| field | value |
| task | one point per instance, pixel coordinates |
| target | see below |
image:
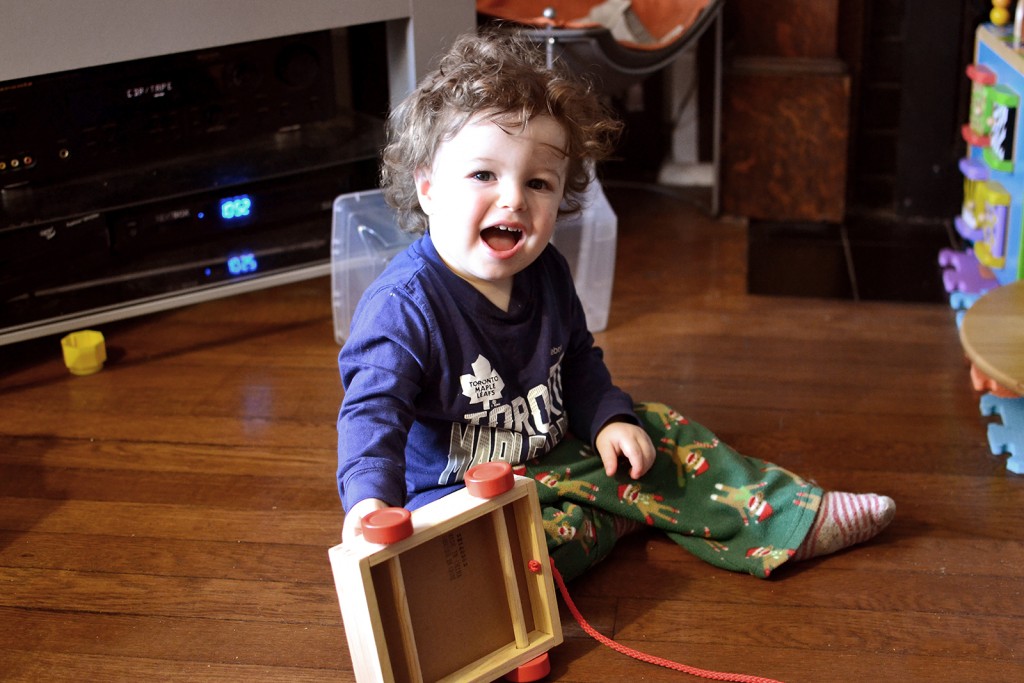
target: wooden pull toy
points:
(458, 590)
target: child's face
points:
(492, 197)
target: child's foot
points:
(845, 519)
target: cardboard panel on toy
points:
(469, 596)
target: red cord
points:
(643, 657)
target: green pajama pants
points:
(728, 509)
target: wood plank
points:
(182, 522)
(816, 631)
(185, 597)
(39, 666)
(124, 457)
(247, 491)
(592, 662)
(175, 641)
(79, 552)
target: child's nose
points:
(511, 196)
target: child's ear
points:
(422, 178)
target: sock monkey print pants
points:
(728, 509)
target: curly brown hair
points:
(499, 74)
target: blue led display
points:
(242, 264)
(233, 208)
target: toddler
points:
(472, 346)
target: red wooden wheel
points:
(387, 525)
(534, 670)
(489, 479)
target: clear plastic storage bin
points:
(365, 236)
(587, 241)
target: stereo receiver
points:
(139, 186)
(99, 119)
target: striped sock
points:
(845, 519)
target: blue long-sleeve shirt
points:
(438, 379)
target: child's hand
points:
(353, 526)
(626, 440)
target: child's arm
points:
(381, 366)
(625, 440)
(354, 517)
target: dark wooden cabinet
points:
(786, 112)
(839, 108)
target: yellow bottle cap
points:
(84, 352)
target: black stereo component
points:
(75, 123)
(215, 172)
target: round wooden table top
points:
(992, 334)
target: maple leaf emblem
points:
(484, 385)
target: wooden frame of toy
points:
(459, 590)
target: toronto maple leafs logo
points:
(484, 385)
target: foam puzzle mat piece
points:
(1006, 437)
(961, 301)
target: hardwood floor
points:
(169, 517)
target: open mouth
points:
(501, 237)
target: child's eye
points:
(483, 175)
(538, 184)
